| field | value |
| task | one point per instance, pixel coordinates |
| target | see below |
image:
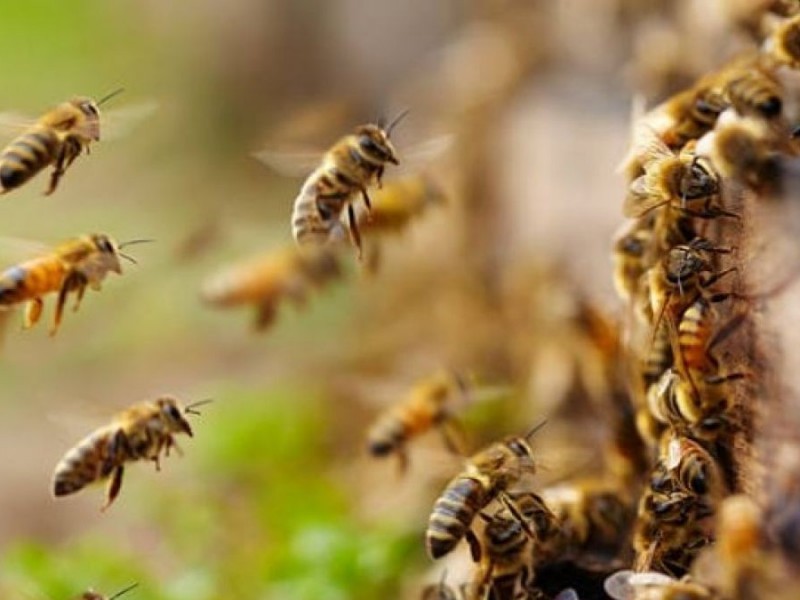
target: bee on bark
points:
(142, 432)
(57, 138)
(488, 475)
(429, 405)
(72, 266)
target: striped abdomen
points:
(453, 514)
(31, 279)
(318, 207)
(659, 356)
(400, 424)
(27, 155)
(694, 332)
(85, 463)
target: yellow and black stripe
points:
(27, 155)
(454, 512)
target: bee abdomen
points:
(82, 465)
(453, 514)
(386, 436)
(26, 156)
(13, 285)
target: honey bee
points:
(351, 165)
(91, 595)
(685, 182)
(71, 267)
(676, 510)
(291, 273)
(506, 546)
(141, 432)
(488, 475)
(57, 138)
(630, 254)
(399, 201)
(652, 585)
(686, 116)
(428, 405)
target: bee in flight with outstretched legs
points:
(488, 475)
(71, 267)
(57, 138)
(141, 432)
(91, 595)
(346, 170)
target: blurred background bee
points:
(141, 432)
(71, 266)
(264, 281)
(430, 404)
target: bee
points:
(676, 510)
(684, 182)
(141, 432)
(399, 201)
(428, 405)
(590, 521)
(264, 281)
(91, 595)
(652, 585)
(688, 115)
(507, 546)
(755, 92)
(57, 138)
(71, 267)
(630, 254)
(351, 165)
(488, 475)
(784, 43)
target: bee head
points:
(109, 252)
(88, 122)
(374, 142)
(173, 416)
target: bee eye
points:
(89, 109)
(174, 413)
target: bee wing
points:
(639, 200)
(15, 249)
(422, 153)
(13, 123)
(619, 585)
(119, 122)
(290, 162)
(648, 145)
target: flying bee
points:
(487, 475)
(428, 405)
(266, 280)
(349, 167)
(91, 595)
(652, 585)
(141, 432)
(71, 267)
(57, 138)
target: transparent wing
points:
(15, 249)
(648, 146)
(119, 122)
(13, 123)
(618, 585)
(298, 162)
(424, 152)
(639, 201)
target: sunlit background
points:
(275, 496)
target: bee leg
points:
(367, 201)
(474, 544)
(402, 462)
(78, 298)
(171, 443)
(379, 177)
(72, 281)
(114, 485)
(33, 312)
(354, 232)
(509, 503)
(265, 315)
(58, 171)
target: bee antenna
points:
(395, 121)
(108, 97)
(125, 591)
(128, 258)
(191, 408)
(132, 242)
(535, 428)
